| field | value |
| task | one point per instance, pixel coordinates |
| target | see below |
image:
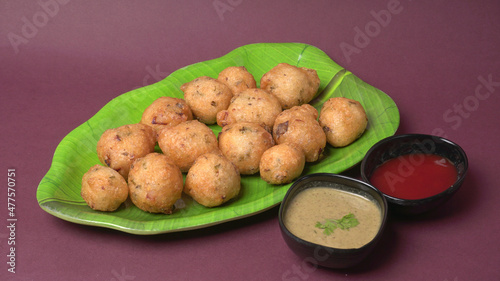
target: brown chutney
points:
(317, 204)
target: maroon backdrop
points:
(61, 61)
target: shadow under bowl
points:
(398, 145)
(324, 255)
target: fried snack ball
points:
(166, 112)
(237, 78)
(206, 96)
(212, 180)
(282, 163)
(243, 144)
(251, 105)
(298, 125)
(293, 86)
(119, 147)
(343, 120)
(186, 141)
(103, 188)
(155, 183)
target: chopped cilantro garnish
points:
(344, 223)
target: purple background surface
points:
(61, 61)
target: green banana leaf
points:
(59, 191)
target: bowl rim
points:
(402, 201)
(384, 213)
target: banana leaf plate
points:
(59, 190)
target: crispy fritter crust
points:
(183, 143)
(119, 147)
(155, 183)
(243, 144)
(293, 86)
(206, 96)
(166, 112)
(282, 163)
(103, 188)
(343, 120)
(252, 105)
(237, 78)
(299, 126)
(212, 180)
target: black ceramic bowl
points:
(323, 255)
(398, 145)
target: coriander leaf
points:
(328, 227)
(348, 221)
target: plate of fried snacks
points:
(215, 141)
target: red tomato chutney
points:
(414, 176)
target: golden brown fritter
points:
(282, 163)
(237, 78)
(298, 125)
(343, 120)
(166, 112)
(206, 96)
(103, 188)
(186, 141)
(293, 86)
(252, 105)
(155, 183)
(243, 144)
(119, 147)
(212, 180)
